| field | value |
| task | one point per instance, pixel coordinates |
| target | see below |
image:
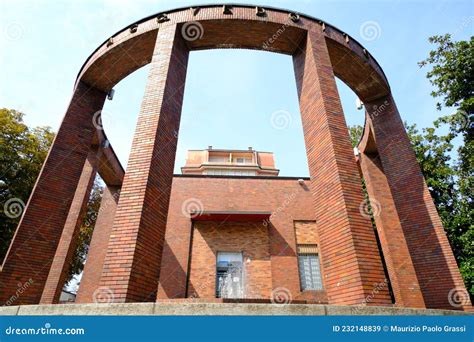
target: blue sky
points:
(230, 95)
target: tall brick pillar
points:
(28, 262)
(132, 264)
(98, 248)
(404, 282)
(353, 269)
(431, 254)
(68, 242)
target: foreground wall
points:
(271, 245)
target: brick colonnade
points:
(422, 263)
(53, 203)
(68, 242)
(131, 263)
(349, 250)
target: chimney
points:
(209, 147)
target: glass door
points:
(229, 275)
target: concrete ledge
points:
(215, 309)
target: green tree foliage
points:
(355, 133)
(85, 231)
(22, 152)
(452, 75)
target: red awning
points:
(231, 216)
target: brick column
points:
(431, 254)
(98, 247)
(348, 247)
(68, 242)
(132, 264)
(404, 281)
(34, 245)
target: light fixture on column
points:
(133, 28)
(359, 104)
(110, 94)
(294, 17)
(227, 9)
(260, 11)
(162, 18)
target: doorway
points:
(229, 275)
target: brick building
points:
(229, 228)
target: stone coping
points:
(215, 309)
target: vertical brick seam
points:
(98, 247)
(405, 285)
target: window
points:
(229, 275)
(218, 159)
(220, 172)
(242, 160)
(308, 264)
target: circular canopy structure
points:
(234, 26)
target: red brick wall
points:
(348, 245)
(68, 242)
(132, 264)
(285, 198)
(306, 233)
(249, 238)
(88, 289)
